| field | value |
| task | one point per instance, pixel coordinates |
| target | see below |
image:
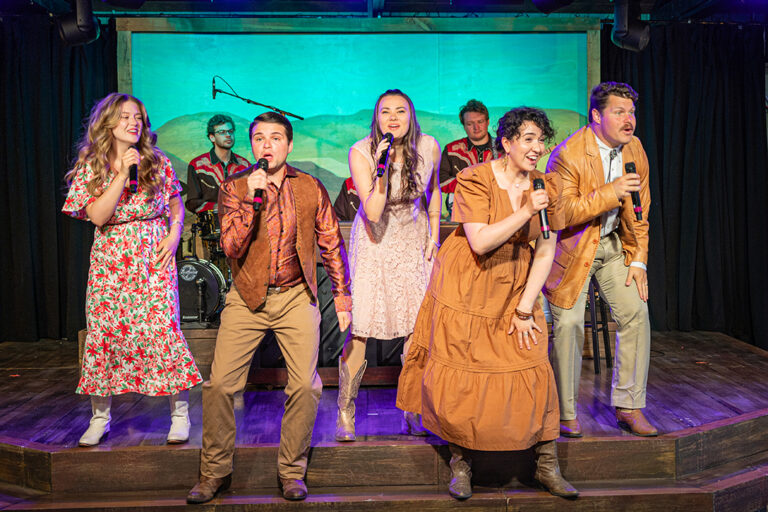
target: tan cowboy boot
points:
(460, 486)
(348, 387)
(548, 471)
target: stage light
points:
(548, 6)
(79, 26)
(628, 31)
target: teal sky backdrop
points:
(333, 80)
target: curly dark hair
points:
(599, 96)
(511, 123)
(473, 106)
(216, 121)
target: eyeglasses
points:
(224, 132)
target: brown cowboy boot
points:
(205, 490)
(570, 428)
(548, 471)
(345, 421)
(634, 421)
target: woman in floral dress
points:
(134, 341)
(392, 243)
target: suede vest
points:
(250, 272)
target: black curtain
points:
(702, 120)
(47, 90)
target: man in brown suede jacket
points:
(603, 239)
(272, 256)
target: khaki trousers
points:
(295, 319)
(633, 338)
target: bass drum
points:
(201, 286)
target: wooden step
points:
(642, 495)
(739, 486)
(382, 460)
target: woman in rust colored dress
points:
(478, 369)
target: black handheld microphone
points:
(213, 88)
(636, 204)
(133, 176)
(538, 184)
(384, 158)
(258, 197)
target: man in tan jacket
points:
(603, 239)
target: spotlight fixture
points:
(628, 31)
(79, 26)
(548, 6)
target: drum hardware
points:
(202, 291)
(202, 283)
(201, 300)
(210, 230)
(192, 242)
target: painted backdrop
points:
(333, 80)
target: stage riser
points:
(398, 463)
(707, 448)
(384, 463)
(25, 466)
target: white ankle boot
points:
(100, 407)
(179, 432)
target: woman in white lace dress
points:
(393, 241)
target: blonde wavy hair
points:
(98, 139)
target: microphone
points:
(213, 88)
(538, 184)
(258, 197)
(133, 176)
(636, 204)
(384, 159)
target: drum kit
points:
(202, 282)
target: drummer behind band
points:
(207, 171)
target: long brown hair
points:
(408, 174)
(97, 142)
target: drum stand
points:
(192, 246)
(202, 322)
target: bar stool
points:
(599, 325)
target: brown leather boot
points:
(634, 421)
(207, 488)
(294, 489)
(348, 388)
(460, 486)
(548, 471)
(570, 428)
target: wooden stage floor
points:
(694, 379)
(707, 395)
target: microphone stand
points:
(274, 109)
